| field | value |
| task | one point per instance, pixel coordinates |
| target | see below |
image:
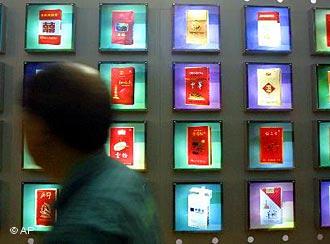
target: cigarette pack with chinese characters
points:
(122, 85)
(269, 87)
(199, 145)
(44, 200)
(50, 27)
(122, 144)
(271, 145)
(197, 81)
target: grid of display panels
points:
(197, 88)
(270, 143)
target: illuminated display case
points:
(2, 28)
(123, 27)
(321, 31)
(324, 203)
(323, 143)
(30, 69)
(270, 145)
(269, 87)
(197, 86)
(322, 74)
(127, 144)
(196, 28)
(27, 161)
(198, 207)
(271, 205)
(38, 213)
(127, 83)
(50, 27)
(197, 145)
(267, 29)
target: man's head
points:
(66, 108)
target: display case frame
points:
(174, 88)
(317, 147)
(198, 183)
(314, 33)
(22, 217)
(196, 50)
(35, 168)
(319, 204)
(270, 110)
(316, 89)
(267, 181)
(197, 169)
(248, 51)
(72, 49)
(248, 145)
(133, 50)
(27, 63)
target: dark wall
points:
(160, 116)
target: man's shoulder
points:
(115, 200)
(114, 182)
(114, 191)
(116, 172)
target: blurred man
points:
(66, 122)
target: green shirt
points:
(104, 202)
